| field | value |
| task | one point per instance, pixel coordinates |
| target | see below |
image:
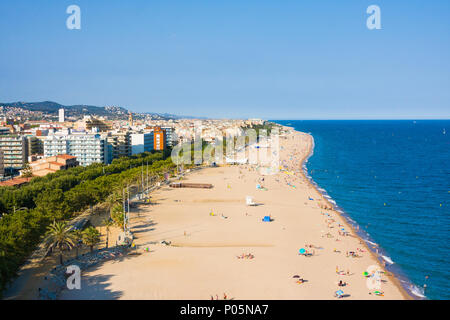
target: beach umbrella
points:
(302, 251)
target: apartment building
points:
(159, 139)
(15, 151)
(35, 145)
(170, 135)
(88, 148)
(120, 142)
(142, 142)
(4, 131)
(2, 167)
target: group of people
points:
(246, 256)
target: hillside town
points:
(33, 145)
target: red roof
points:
(14, 182)
(65, 156)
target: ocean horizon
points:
(392, 179)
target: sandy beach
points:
(220, 247)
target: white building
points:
(141, 142)
(170, 136)
(61, 117)
(88, 148)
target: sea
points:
(391, 178)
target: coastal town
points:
(33, 144)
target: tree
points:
(78, 237)
(91, 236)
(118, 215)
(27, 172)
(114, 199)
(59, 236)
(108, 224)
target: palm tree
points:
(59, 236)
(108, 223)
(113, 199)
(91, 236)
(117, 215)
(78, 236)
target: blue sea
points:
(392, 178)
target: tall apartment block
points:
(61, 117)
(15, 151)
(88, 148)
(120, 142)
(35, 146)
(142, 142)
(2, 166)
(169, 135)
(159, 139)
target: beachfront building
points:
(142, 142)
(159, 139)
(170, 135)
(88, 148)
(120, 142)
(15, 151)
(48, 165)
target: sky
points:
(271, 59)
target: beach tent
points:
(339, 293)
(266, 219)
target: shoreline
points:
(345, 217)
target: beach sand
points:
(202, 263)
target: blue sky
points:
(276, 59)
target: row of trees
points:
(61, 237)
(27, 211)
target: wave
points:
(388, 259)
(372, 243)
(418, 292)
